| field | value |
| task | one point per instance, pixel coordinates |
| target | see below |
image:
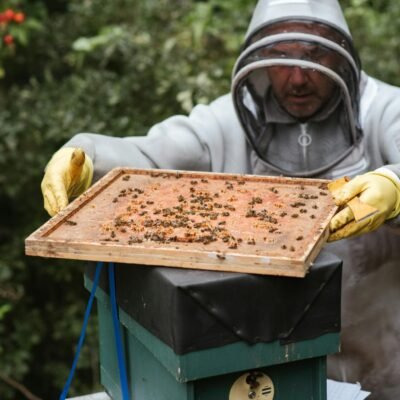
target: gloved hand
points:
(375, 189)
(67, 175)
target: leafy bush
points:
(17, 23)
(375, 25)
(91, 68)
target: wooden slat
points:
(221, 222)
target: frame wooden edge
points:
(211, 260)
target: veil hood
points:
(318, 27)
(326, 12)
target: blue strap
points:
(64, 393)
(117, 334)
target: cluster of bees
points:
(195, 214)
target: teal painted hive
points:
(175, 351)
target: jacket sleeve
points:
(383, 127)
(383, 121)
(195, 142)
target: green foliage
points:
(112, 67)
(18, 20)
(101, 67)
(375, 25)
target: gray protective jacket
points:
(225, 136)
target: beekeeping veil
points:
(319, 29)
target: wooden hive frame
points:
(258, 213)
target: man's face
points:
(301, 91)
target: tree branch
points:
(18, 386)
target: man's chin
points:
(302, 116)
(301, 111)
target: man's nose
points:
(298, 76)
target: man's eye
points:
(318, 54)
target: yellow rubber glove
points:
(67, 175)
(375, 189)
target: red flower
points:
(9, 14)
(8, 40)
(19, 17)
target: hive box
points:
(189, 335)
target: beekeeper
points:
(300, 106)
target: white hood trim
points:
(295, 36)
